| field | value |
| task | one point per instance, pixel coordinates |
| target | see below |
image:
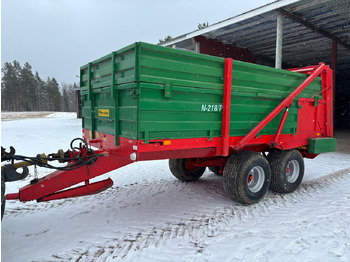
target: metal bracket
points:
(167, 90)
(134, 93)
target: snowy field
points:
(148, 215)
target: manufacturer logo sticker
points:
(103, 112)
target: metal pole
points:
(279, 40)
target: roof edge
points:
(254, 12)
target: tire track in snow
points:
(197, 224)
(121, 193)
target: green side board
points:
(322, 145)
(153, 92)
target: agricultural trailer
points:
(252, 124)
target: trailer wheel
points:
(287, 170)
(246, 177)
(215, 170)
(184, 171)
(3, 198)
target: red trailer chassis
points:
(199, 152)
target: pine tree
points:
(41, 91)
(17, 87)
(168, 38)
(7, 82)
(76, 99)
(10, 86)
(54, 95)
(68, 97)
(21, 90)
(65, 99)
(203, 25)
(28, 93)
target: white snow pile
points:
(36, 114)
(148, 215)
(62, 115)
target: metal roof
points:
(310, 26)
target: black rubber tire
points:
(179, 169)
(237, 177)
(215, 170)
(3, 198)
(280, 163)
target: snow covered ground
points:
(148, 215)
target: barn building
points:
(285, 34)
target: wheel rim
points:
(292, 171)
(256, 179)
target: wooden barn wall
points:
(216, 48)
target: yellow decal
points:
(103, 112)
(167, 142)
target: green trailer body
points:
(147, 92)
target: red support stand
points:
(87, 189)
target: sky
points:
(56, 37)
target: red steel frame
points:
(52, 186)
(286, 103)
(201, 151)
(226, 108)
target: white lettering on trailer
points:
(211, 108)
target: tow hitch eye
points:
(11, 174)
